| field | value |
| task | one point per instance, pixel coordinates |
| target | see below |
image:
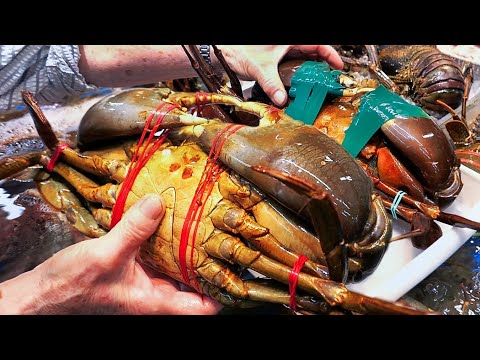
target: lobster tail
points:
(431, 74)
(437, 76)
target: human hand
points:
(260, 63)
(102, 275)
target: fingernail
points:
(279, 97)
(151, 206)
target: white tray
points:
(403, 266)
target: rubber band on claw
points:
(58, 150)
(396, 201)
(293, 279)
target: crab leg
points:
(229, 248)
(363, 255)
(90, 190)
(115, 169)
(457, 127)
(12, 165)
(362, 258)
(229, 217)
(287, 230)
(230, 290)
(431, 211)
(424, 230)
(59, 196)
(327, 225)
(469, 158)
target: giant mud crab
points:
(202, 241)
(328, 190)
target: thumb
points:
(136, 226)
(271, 84)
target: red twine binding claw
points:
(209, 176)
(293, 280)
(201, 100)
(201, 97)
(58, 150)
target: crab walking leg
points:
(117, 170)
(221, 284)
(229, 248)
(13, 165)
(287, 231)
(94, 164)
(59, 196)
(222, 296)
(102, 216)
(230, 217)
(432, 211)
(301, 241)
(267, 114)
(282, 223)
(424, 231)
(90, 190)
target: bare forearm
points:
(21, 295)
(41, 292)
(129, 65)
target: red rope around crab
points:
(139, 160)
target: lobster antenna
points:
(375, 67)
(468, 75)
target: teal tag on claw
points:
(376, 108)
(310, 85)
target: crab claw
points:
(424, 231)
(42, 125)
(437, 170)
(323, 217)
(393, 172)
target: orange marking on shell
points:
(187, 173)
(193, 159)
(273, 114)
(174, 167)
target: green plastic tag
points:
(376, 108)
(310, 85)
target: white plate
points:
(403, 266)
